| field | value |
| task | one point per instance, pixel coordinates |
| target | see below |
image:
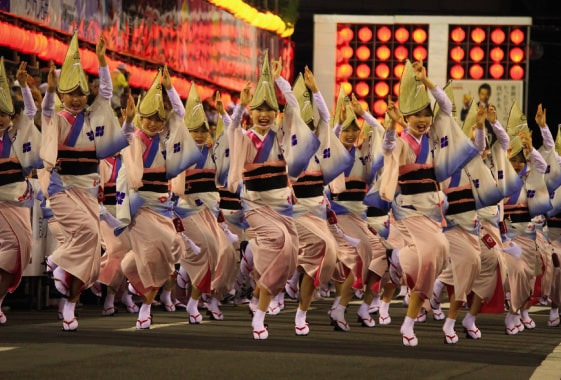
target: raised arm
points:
(283, 84)
(29, 104)
(441, 98)
(173, 96)
(389, 143)
(319, 101)
(105, 83)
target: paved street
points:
(32, 345)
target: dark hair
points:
(18, 107)
(485, 86)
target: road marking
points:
(550, 367)
(159, 326)
(7, 348)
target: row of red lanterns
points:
(50, 48)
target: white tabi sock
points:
(144, 312)
(258, 321)
(437, 290)
(384, 308)
(363, 310)
(448, 327)
(469, 321)
(300, 319)
(193, 306)
(165, 297)
(109, 301)
(68, 311)
(407, 328)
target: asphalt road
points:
(32, 346)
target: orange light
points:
(363, 71)
(363, 104)
(496, 54)
(401, 53)
(516, 55)
(396, 90)
(478, 35)
(457, 54)
(516, 72)
(381, 89)
(347, 87)
(344, 71)
(517, 36)
(365, 34)
(419, 35)
(383, 53)
(362, 89)
(496, 70)
(420, 53)
(345, 35)
(458, 35)
(346, 52)
(363, 53)
(398, 70)
(476, 71)
(498, 36)
(457, 72)
(384, 34)
(380, 107)
(382, 71)
(401, 35)
(476, 54)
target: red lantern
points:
(517, 36)
(396, 89)
(478, 35)
(457, 54)
(381, 89)
(363, 53)
(345, 35)
(401, 35)
(363, 71)
(476, 54)
(516, 55)
(383, 53)
(398, 70)
(362, 89)
(476, 71)
(382, 71)
(365, 34)
(496, 54)
(344, 71)
(419, 35)
(380, 107)
(498, 36)
(457, 72)
(516, 72)
(384, 34)
(420, 53)
(401, 53)
(346, 52)
(496, 70)
(458, 35)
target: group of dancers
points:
(300, 199)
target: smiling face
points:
(518, 162)
(200, 135)
(263, 115)
(74, 101)
(420, 122)
(151, 125)
(349, 135)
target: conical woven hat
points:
(413, 96)
(153, 103)
(265, 90)
(517, 121)
(471, 118)
(72, 75)
(195, 115)
(6, 103)
(304, 99)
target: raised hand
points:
(526, 138)
(21, 75)
(52, 79)
(166, 78)
(130, 111)
(218, 104)
(356, 106)
(310, 80)
(100, 50)
(277, 68)
(480, 117)
(491, 113)
(540, 116)
(245, 95)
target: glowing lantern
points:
(347, 87)
(363, 71)
(345, 35)
(344, 71)
(396, 89)
(458, 35)
(398, 70)
(381, 89)
(362, 89)
(382, 71)
(517, 36)
(346, 52)
(363, 53)
(476, 54)
(420, 53)
(401, 53)
(476, 72)
(516, 55)
(496, 54)
(457, 72)
(365, 34)
(384, 34)
(363, 104)
(496, 70)
(380, 106)
(383, 53)
(419, 35)
(516, 72)
(498, 36)
(478, 35)
(457, 54)
(401, 35)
